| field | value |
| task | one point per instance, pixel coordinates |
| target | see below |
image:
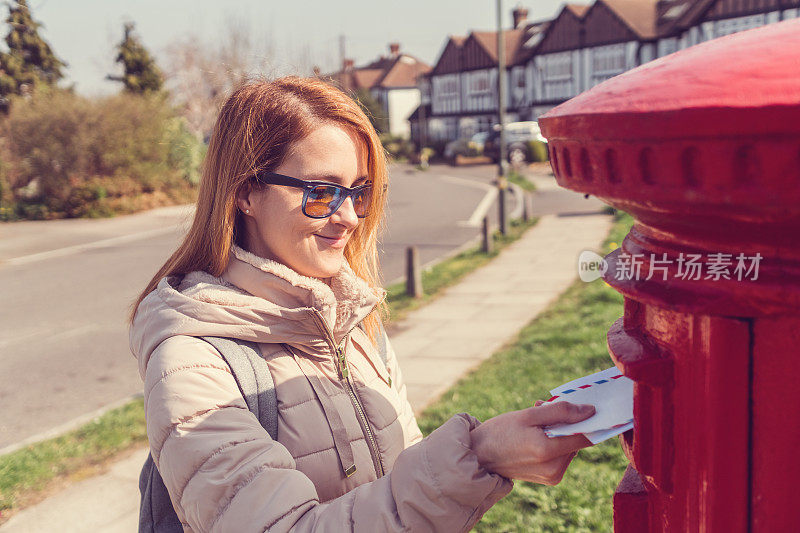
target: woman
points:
(293, 266)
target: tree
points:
(142, 75)
(373, 109)
(201, 76)
(29, 61)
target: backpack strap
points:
(156, 513)
(252, 375)
(254, 379)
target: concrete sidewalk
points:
(436, 345)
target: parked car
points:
(456, 147)
(518, 138)
(477, 141)
(465, 146)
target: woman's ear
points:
(244, 197)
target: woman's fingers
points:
(550, 472)
(559, 413)
(538, 403)
(558, 446)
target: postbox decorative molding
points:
(702, 148)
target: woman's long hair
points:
(254, 131)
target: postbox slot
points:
(638, 356)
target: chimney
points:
(394, 49)
(347, 65)
(520, 15)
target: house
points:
(586, 45)
(683, 23)
(391, 80)
(549, 62)
(463, 83)
(554, 65)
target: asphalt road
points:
(66, 286)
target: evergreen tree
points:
(29, 60)
(142, 75)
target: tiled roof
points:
(533, 34)
(639, 15)
(381, 63)
(403, 72)
(513, 42)
(365, 78)
(692, 12)
(578, 9)
(673, 13)
(415, 114)
(396, 71)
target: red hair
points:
(254, 131)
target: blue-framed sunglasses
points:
(321, 199)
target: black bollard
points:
(413, 273)
(486, 237)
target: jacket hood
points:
(255, 299)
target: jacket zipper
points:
(344, 374)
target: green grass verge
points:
(25, 473)
(519, 179)
(567, 341)
(449, 272)
(28, 470)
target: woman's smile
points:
(334, 241)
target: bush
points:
(438, 148)
(462, 147)
(185, 152)
(538, 151)
(399, 148)
(68, 156)
(6, 197)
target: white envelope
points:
(610, 392)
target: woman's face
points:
(276, 226)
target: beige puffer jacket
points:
(222, 469)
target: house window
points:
(558, 66)
(667, 46)
(449, 86)
(729, 26)
(557, 75)
(478, 82)
(607, 61)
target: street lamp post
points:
(501, 114)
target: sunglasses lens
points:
(322, 201)
(361, 201)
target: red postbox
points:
(702, 147)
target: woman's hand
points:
(514, 445)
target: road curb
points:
(65, 428)
(473, 242)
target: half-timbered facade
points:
(554, 68)
(684, 23)
(585, 44)
(463, 82)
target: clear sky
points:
(84, 32)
